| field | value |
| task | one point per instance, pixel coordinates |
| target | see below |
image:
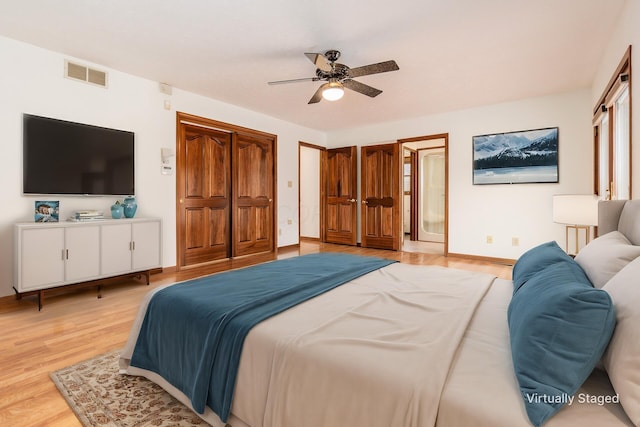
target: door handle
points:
(352, 200)
(364, 202)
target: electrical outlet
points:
(490, 239)
(289, 221)
(515, 241)
(279, 231)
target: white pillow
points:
(603, 257)
(622, 357)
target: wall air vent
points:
(85, 74)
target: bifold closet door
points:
(253, 194)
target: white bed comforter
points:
(375, 351)
(382, 359)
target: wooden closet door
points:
(341, 209)
(204, 187)
(380, 193)
(253, 190)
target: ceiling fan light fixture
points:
(332, 91)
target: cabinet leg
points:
(99, 291)
(40, 298)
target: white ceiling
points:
(452, 54)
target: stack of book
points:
(87, 216)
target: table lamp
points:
(577, 212)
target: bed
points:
(406, 345)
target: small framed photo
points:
(47, 211)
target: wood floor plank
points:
(76, 325)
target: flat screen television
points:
(67, 158)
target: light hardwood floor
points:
(75, 326)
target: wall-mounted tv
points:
(67, 158)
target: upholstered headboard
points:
(621, 215)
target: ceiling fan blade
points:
(320, 61)
(361, 88)
(317, 97)
(305, 79)
(380, 67)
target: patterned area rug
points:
(100, 396)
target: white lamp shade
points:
(575, 209)
(332, 91)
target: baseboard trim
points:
(505, 261)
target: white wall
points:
(309, 192)
(502, 211)
(31, 81)
(627, 32)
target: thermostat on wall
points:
(166, 169)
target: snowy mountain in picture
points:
(528, 156)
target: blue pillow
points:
(559, 327)
(536, 260)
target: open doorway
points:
(425, 200)
(310, 191)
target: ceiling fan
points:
(338, 76)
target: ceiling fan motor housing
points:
(339, 72)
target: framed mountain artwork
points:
(529, 156)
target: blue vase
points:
(116, 211)
(130, 206)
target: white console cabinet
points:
(49, 255)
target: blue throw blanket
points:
(193, 332)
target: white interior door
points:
(431, 194)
